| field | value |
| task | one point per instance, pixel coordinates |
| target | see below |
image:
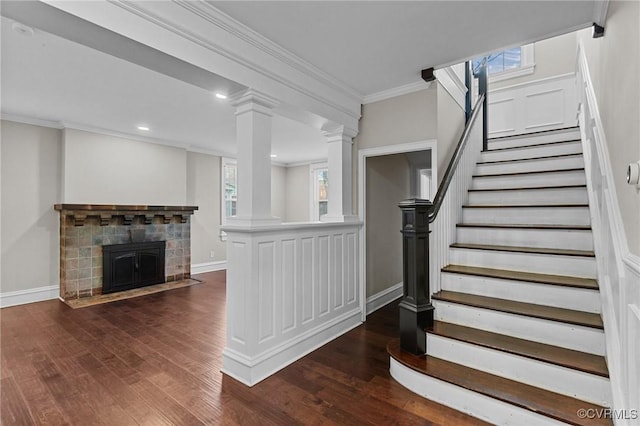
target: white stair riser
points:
(566, 381)
(556, 163)
(533, 151)
(577, 266)
(575, 177)
(533, 196)
(558, 296)
(466, 401)
(579, 338)
(534, 139)
(538, 238)
(578, 216)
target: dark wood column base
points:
(413, 321)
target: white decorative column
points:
(340, 194)
(253, 133)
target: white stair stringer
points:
(570, 336)
(473, 403)
(558, 379)
(518, 196)
(549, 137)
(559, 296)
(554, 264)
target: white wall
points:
(614, 61)
(30, 181)
(101, 169)
(450, 125)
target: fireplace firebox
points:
(133, 265)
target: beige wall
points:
(614, 63)
(450, 125)
(31, 177)
(101, 169)
(387, 185)
(554, 56)
(298, 194)
(203, 190)
(278, 192)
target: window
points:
(509, 63)
(229, 188)
(319, 189)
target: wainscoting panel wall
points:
(524, 108)
(290, 289)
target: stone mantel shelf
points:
(105, 212)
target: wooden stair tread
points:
(525, 226)
(533, 188)
(515, 160)
(550, 404)
(567, 281)
(585, 319)
(519, 206)
(535, 250)
(530, 146)
(576, 360)
(580, 169)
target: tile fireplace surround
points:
(85, 228)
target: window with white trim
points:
(509, 63)
(319, 188)
(229, 189)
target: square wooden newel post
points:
(416, 311)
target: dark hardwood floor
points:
(155, 360)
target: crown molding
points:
(32, 120)
(397, 91)
(237, 30)
(600, 9)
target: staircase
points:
(518, 338)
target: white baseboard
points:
(31, 295)
(252, 370)
(201, 268)
(383, 298)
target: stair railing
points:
(424, 257)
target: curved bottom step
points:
(488, 397)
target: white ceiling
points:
(370, 46)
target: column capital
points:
(339, 134)
(253, 100)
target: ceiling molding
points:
(32, 120)
(237, 30)
(397, 91)
(600, 9)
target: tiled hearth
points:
(84, 229)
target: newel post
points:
(416, 311)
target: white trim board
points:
(451, 82)
(201, 268)
(31, 295)
(396, 91)
(383, 298)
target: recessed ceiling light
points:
(221, 96)
(143, 128)
(273, 155)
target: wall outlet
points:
(212, 254)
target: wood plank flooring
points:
(155, 360)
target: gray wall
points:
(31, 178)
(298, 194)
(614, 61)
(387, 185)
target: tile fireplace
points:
(86, 228)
